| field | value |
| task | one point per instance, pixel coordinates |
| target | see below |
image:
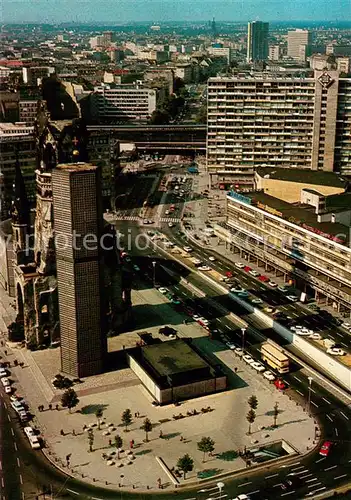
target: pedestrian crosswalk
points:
(127, 217)
(170, 219)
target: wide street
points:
(317, 474)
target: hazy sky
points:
(168, 10)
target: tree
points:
(159, 117)
(98, 414)
(90, 439)
(253, 402)
(275, 414)
(147, 427)
(185, 464)
(69, 399)
(126, 418)
(206, 445)
(118, 444)
(250, 417)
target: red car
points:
(263, 278)
(247, 268)
(280, 384)
(229, 274)
(324, 451)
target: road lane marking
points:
(12, 432)
(299, 467)
(311, 480)
(289, 493)
(299, 392)
(319, 489)
(253, 492)
(21, 480)
(329, 403)
(330, 468)
(336, 431)
(328, 416)
(18, 462)
(8, 418)
(244, 484)
(15, 446)
(297, 378)
(229, 328)
(339, 477)
(307, 475)
(343, 414)
(74, 492)
(314, 404)
(313, 485)
(323, 458)
(272, 475)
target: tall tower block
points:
(78, 227)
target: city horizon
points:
(159, 12)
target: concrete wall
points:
(144, 377)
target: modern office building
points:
(124, 102)
(34, 75)
(257, 41)
(299, 43)
(306, 242)
(78, 228)
(17, 144)
(274, 52)
(277, 121)
(28, 111)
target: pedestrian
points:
(50, 407)
(73, 432)
(110, 442)
(62, 433)
(5, 351)
(84, 427)
(161, 434)
(135, 415)
(57, 407)
(39, 408)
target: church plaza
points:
(142, 464)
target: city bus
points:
(274, 358)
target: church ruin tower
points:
(20, 219)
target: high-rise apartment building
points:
(277, 121)
(299, 43)
(257, 41)
(17, 144)
(124, 102)
(78, 229)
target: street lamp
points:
(220, 487)
(310, 379)
(243, 331)
(154, 273)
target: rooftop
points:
(302, 215)
(173, 357)
(302, 176)
(76, 167)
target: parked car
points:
(263, 278)
(8, 389)
(325, 449)
(269, 376)
(283, 289)
(229, 274)
(258, 366)
(239, 351)
(292, 298)
(187, 249)
(256, 300)
(280, 384)
(163, 290)
(170, 224)
(315, 336)
(247, 269)
(230, 345)
(211, 258)
(248, 359)
(204, 268)
(273, 284)
(5, 381)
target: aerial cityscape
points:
(175, 236)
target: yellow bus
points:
(275, 358)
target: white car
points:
(295, 328)
(273, 284)
(163, 290)
(8, 389)
(196, 317)
(187, 249)
(292, 298)
(242, 497)
(315, 336)
(230, 345)
(269, 309)
(283, 289)
(347, 326)
(211, 258)
(269, 375)
(3, 373)
(335, 351)
(145, 221)
(167, 212)
(239, 265)
(239, 351)
(5, 381)
(204, 268)
(238, 290)
(17, 406)
(303, 332)
(29, 431)
(170, 224)
(254, 273)
(256, 300)
(248, 359)
(258, 366)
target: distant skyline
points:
(51, 11)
